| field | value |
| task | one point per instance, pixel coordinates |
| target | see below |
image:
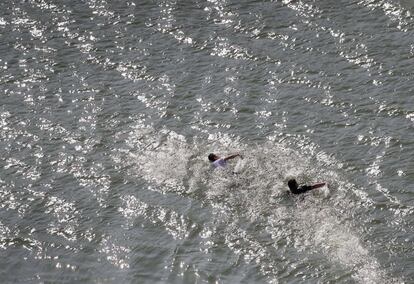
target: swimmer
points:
(218, 162)
(296, 189)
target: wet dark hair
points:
(212, 157)
(292, 184)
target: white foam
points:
(254, 189)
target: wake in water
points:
(253, 213)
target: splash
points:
(252, 209)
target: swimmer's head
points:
(212, 157)
(292, 184)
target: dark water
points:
(108, 110)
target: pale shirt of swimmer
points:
(220, 163)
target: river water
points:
(108, 110)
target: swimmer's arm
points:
(232, 157)
(317, 185)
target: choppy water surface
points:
(108, 110)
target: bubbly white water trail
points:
(252, 210)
